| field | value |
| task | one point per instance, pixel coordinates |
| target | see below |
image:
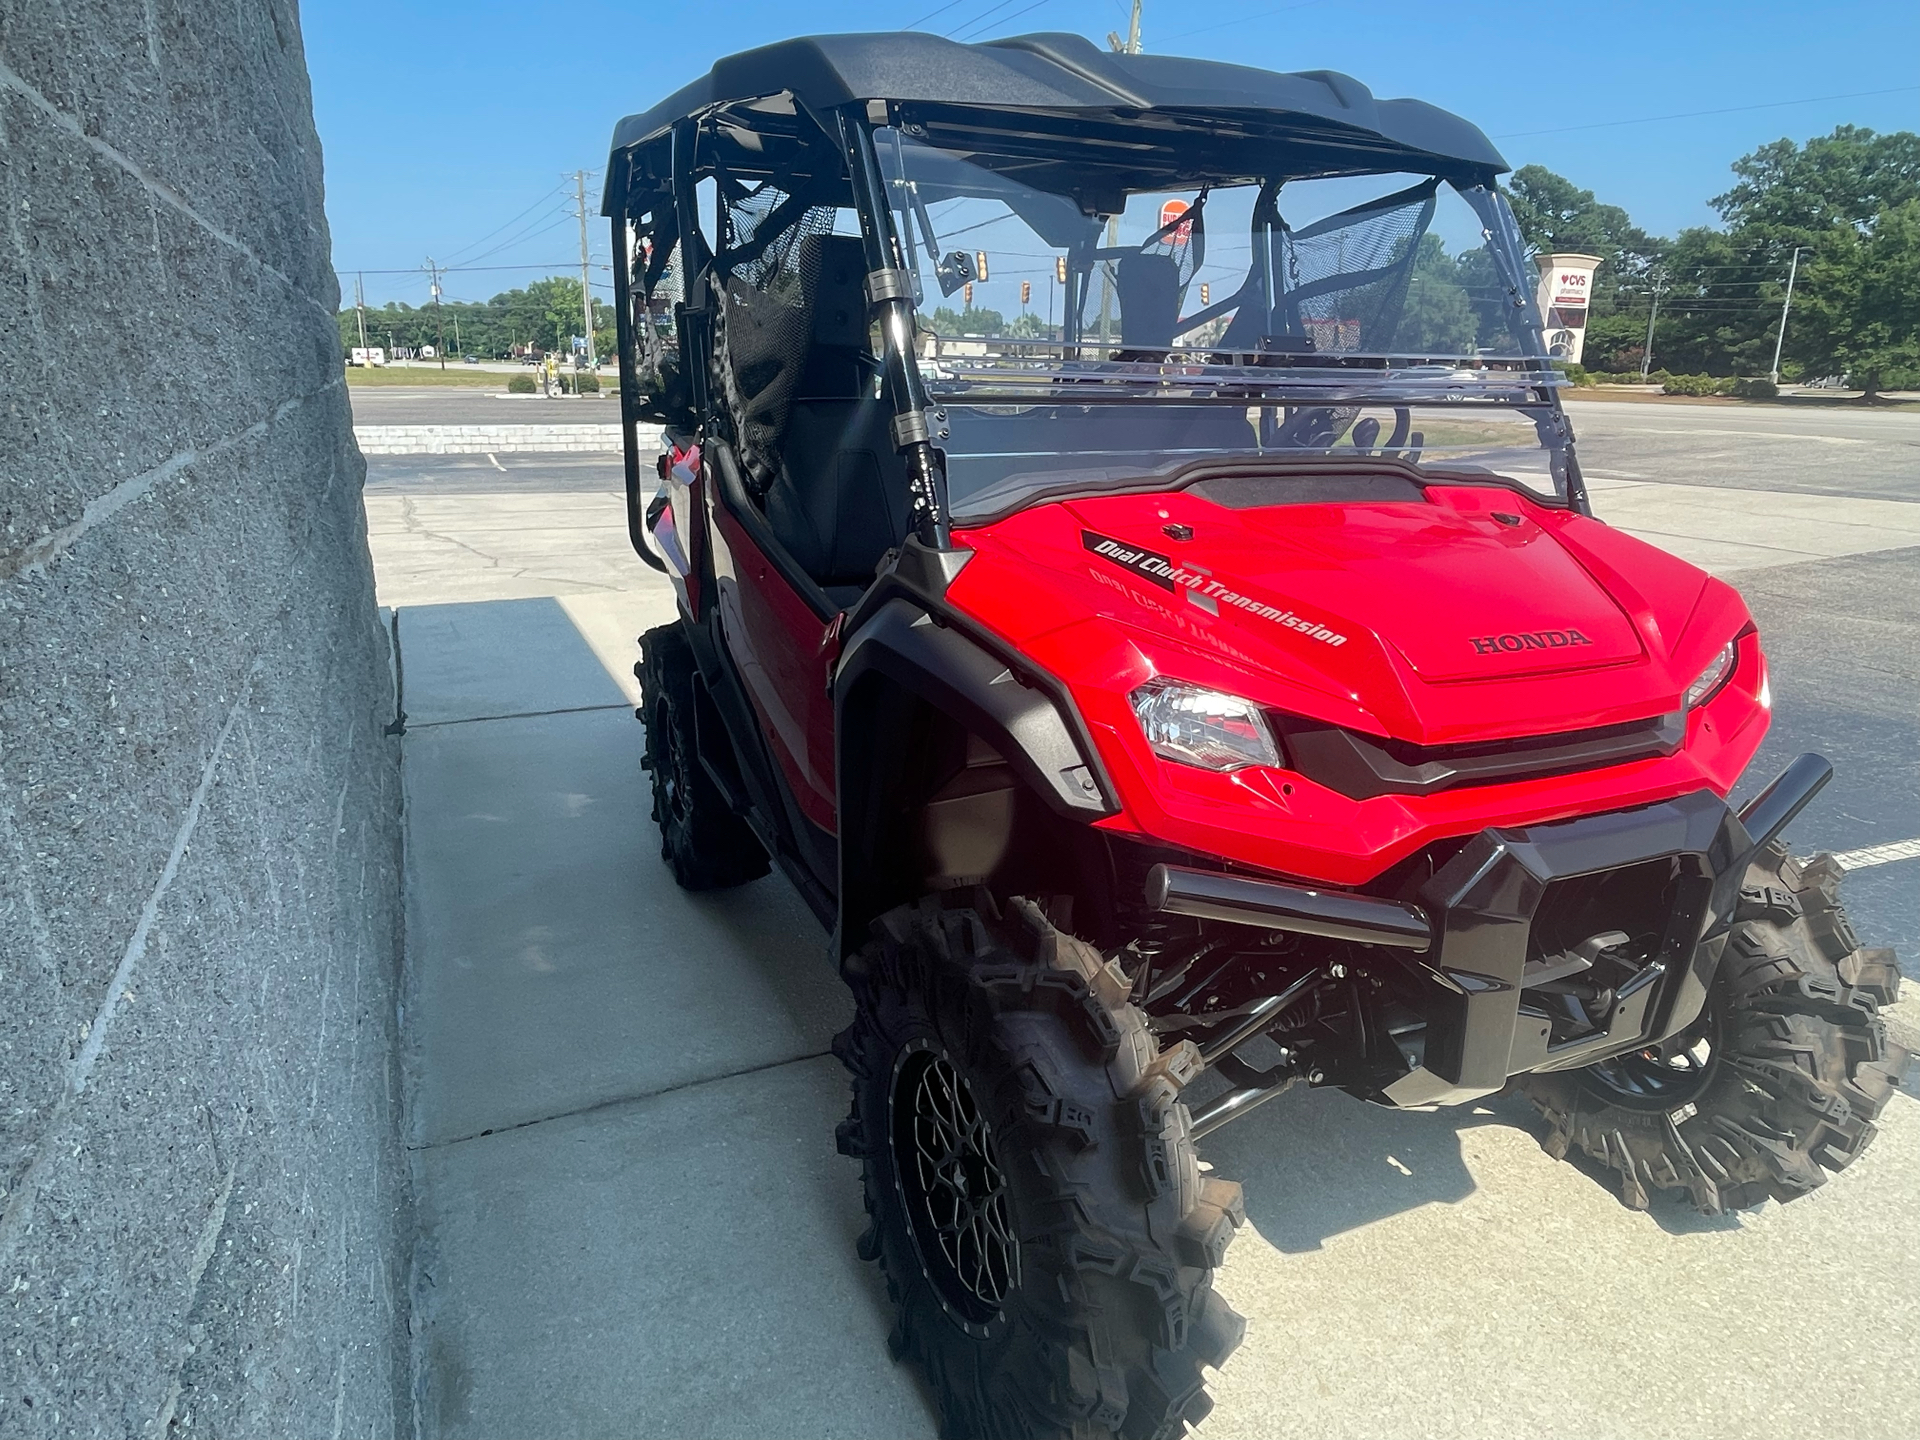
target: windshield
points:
(1378, 318)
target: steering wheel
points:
(1316, 427)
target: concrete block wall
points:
(495, 439)
(204, 1221)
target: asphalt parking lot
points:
(622, 1108)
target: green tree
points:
(544, 314)
(1438, 317)
(1554, 214)
(1861, 308)
(1720, 315)
(1846, 178)
(947, 321)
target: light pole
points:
(1646, 354)
(1129, 46)
(1785, 305)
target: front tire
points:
(1034, 1198)
(1779, 1080)
(707, 846)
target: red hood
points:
(1470, 614)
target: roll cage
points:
(728, 198)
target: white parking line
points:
(1878, 854)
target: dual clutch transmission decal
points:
(1161, 570)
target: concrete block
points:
(204, 1214)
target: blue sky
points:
(443, 120)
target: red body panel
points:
(776, 643)
(1432, 622)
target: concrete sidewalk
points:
(622, 1108)
(635, 1224)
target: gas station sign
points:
(1170, 212)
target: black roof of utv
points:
(1334, 120)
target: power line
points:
(930, 14)
(1008, 20)
(981, 18)
(514, 221)
(1697, 114)
(553, 224)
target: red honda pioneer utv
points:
(1211, 682)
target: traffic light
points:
(1060, 268)
(1026, 291)
(1206, 293)
(980, 264)
(966, 295)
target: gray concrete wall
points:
(203, 1210)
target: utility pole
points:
(1130, 47)
(1646, 354)
(360, 305)
(1785, 305)
(439, 323)
(586, 287)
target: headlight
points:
(1203, 727)
(1711, 678)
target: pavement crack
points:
(620, 1100)
(410, 517)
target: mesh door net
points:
(766, 325)
(1344, 279)
(654, 288)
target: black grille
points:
(1363, 766)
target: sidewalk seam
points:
(519, 715)
(619, 1100)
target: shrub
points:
(578, 384)
(1756, 388)
(1696, 385)
(1576, 374)
(522, 385)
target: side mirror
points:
(954, 271)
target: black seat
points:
(840, 500)
(1149, 288)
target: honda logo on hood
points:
(1528, 640)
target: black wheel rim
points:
(1666, 1075)
(676, 787)
(955, 1191)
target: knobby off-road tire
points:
(701, 839)
(1783, 1075)
(1032, 1190)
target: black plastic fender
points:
(903, 647)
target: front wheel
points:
(1780, 1077)
(1035, 1201)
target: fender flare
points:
(905, 646)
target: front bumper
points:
(1483, 903)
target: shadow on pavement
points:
(1316, 1164)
